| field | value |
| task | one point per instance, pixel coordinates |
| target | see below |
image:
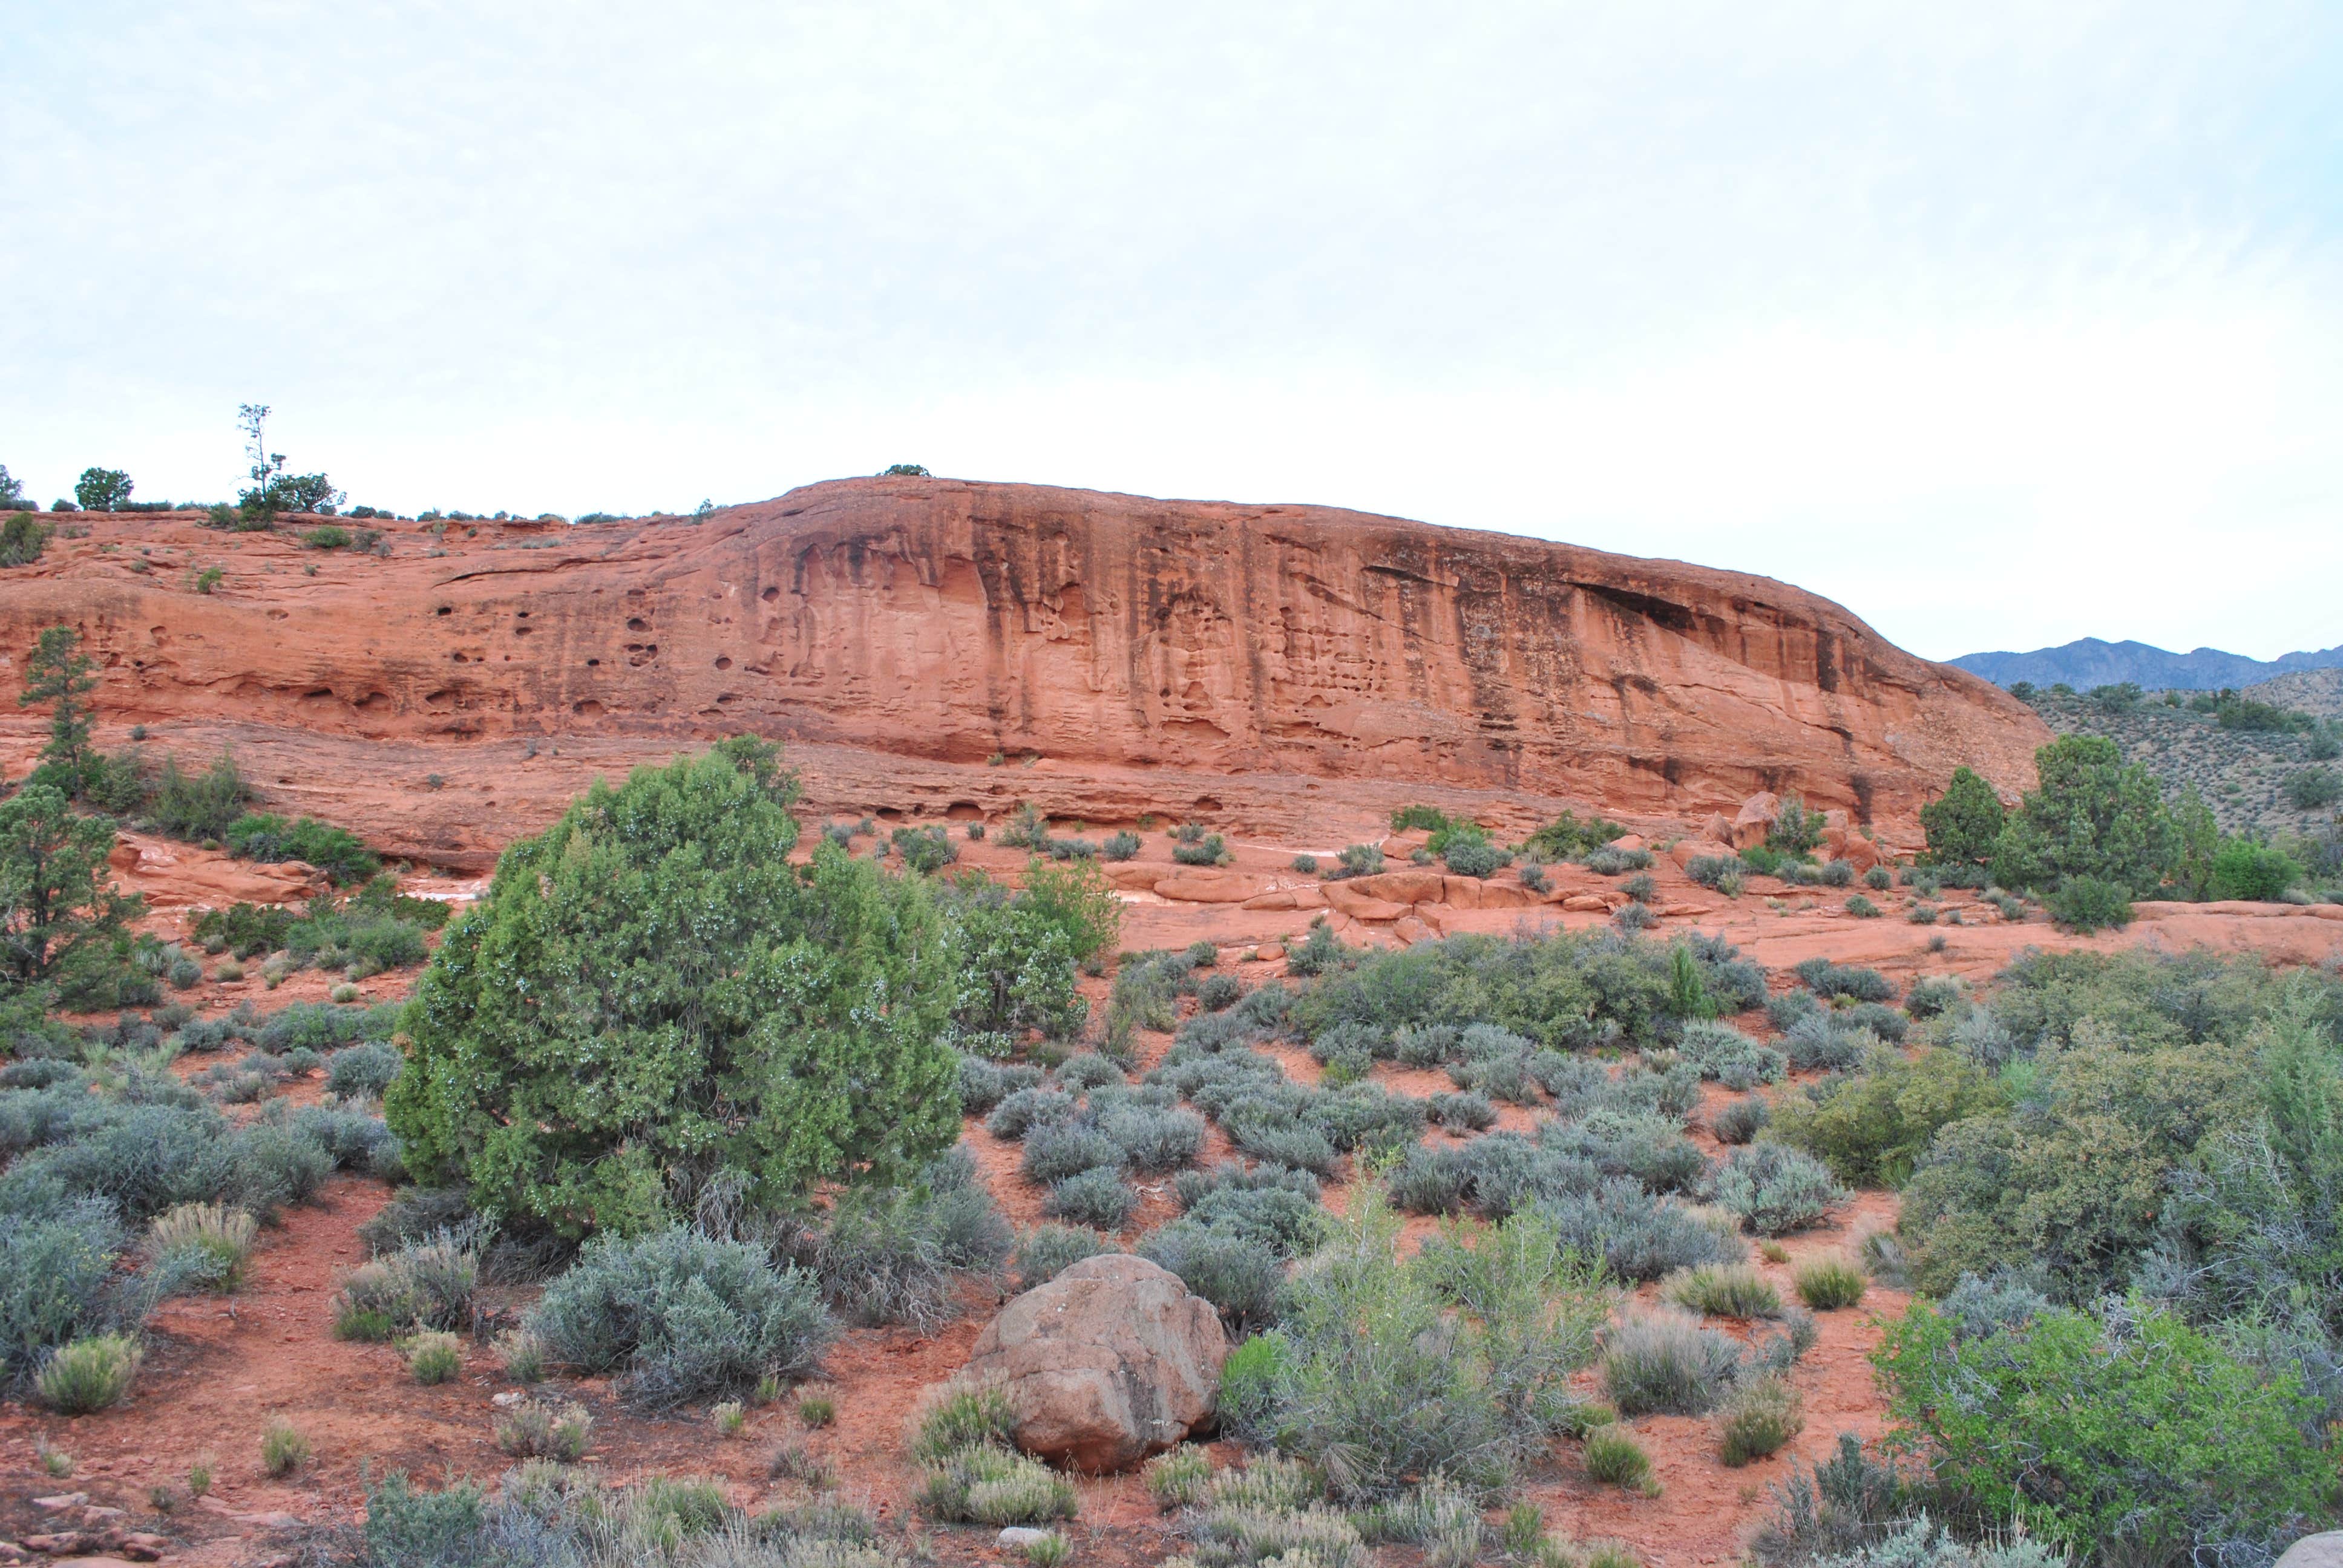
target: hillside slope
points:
(2089, 661)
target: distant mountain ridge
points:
(2089, 661)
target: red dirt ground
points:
(219, 1370)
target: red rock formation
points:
(910, 630)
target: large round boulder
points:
(1109, 1362)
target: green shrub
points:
(1475, 857)
(2131, 1431)
(925, 850)
(1871, 1126)
(199, 806)
(1795, 831)
(326, 536)
(2089, 904)
(89, 1374)
(23, 538)
(1762, 1415)
(966, 1415)
(1613, 1458)
(1739, 1120)
(1121, 845)
(283, 1448)
(1206, 851)
(340, 854)
(433, 1357)
(1828, 1284)
(995, 1487)
(681, 1316)
(2308, 788)
(794, 1035)
(1375, 1375)
(2245, 870)
(900, 1255)
(1723, 1290)
(2094, 817)
(1965, 823)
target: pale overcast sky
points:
(2002, 324)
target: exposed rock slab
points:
(1137, 643)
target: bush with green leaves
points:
(2259, 872)
(1724, 1054)
(898, 1255)
(1831, 1282)
(2087, 904)
(1760, 1419)
(1457, 1361)
(2094, 816)
(1870, 1126)
(23, 538)
(63, 924)
(83, 1376)
(1566, 838)
(1120, 846)
(1723, 1290)
(1739, 1120)
(1963, 824)
(1098, 1197)
(651, 996)
(677, 1316)
(337, 852)
(1613, 1458)
(199, 806)
(365, 1069)
(2127, 1429)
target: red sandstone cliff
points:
(914, 629)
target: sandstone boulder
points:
(1718, 828)
(1360, 906)
(1756, 819)
(1416, 885)
(1208, 888)
(1109, 1362)
(2324, 1550)
(1845, 844)
(1687, 850)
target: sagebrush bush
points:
(1762, 1415)
(1828, 1282)
(1666, 1363)
(90, 1374)
(1099, 1198)
(1048, 1251)
(681, 1316)
(963, 1415)
(1062, 1148)
(367, 1069)
(1177, 1477)
(1775, 1189)
(1739, 1120)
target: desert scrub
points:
(1614, 1458)
(679, 1316)
(1665, 1362)
(424, 1284)
(1479, 1334)
(1177, 1477)
(545, 1429)
(203, 1244)
(1723, 1290)
(730, 1417)
(1048, 1251)
(1764, 1415)
(986, 1484)
(90, 1374)
(283, 1449)
(817, 1410)
(1828, 1284)
(1775, 1189)
(433, 1356)
(1739, 1120)
(963, 1415)
(522, 1354)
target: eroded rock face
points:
(1109, 1362)
(1143, 645)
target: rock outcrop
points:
(945, 633)
(1109, 1362)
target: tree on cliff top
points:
(651, 996)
